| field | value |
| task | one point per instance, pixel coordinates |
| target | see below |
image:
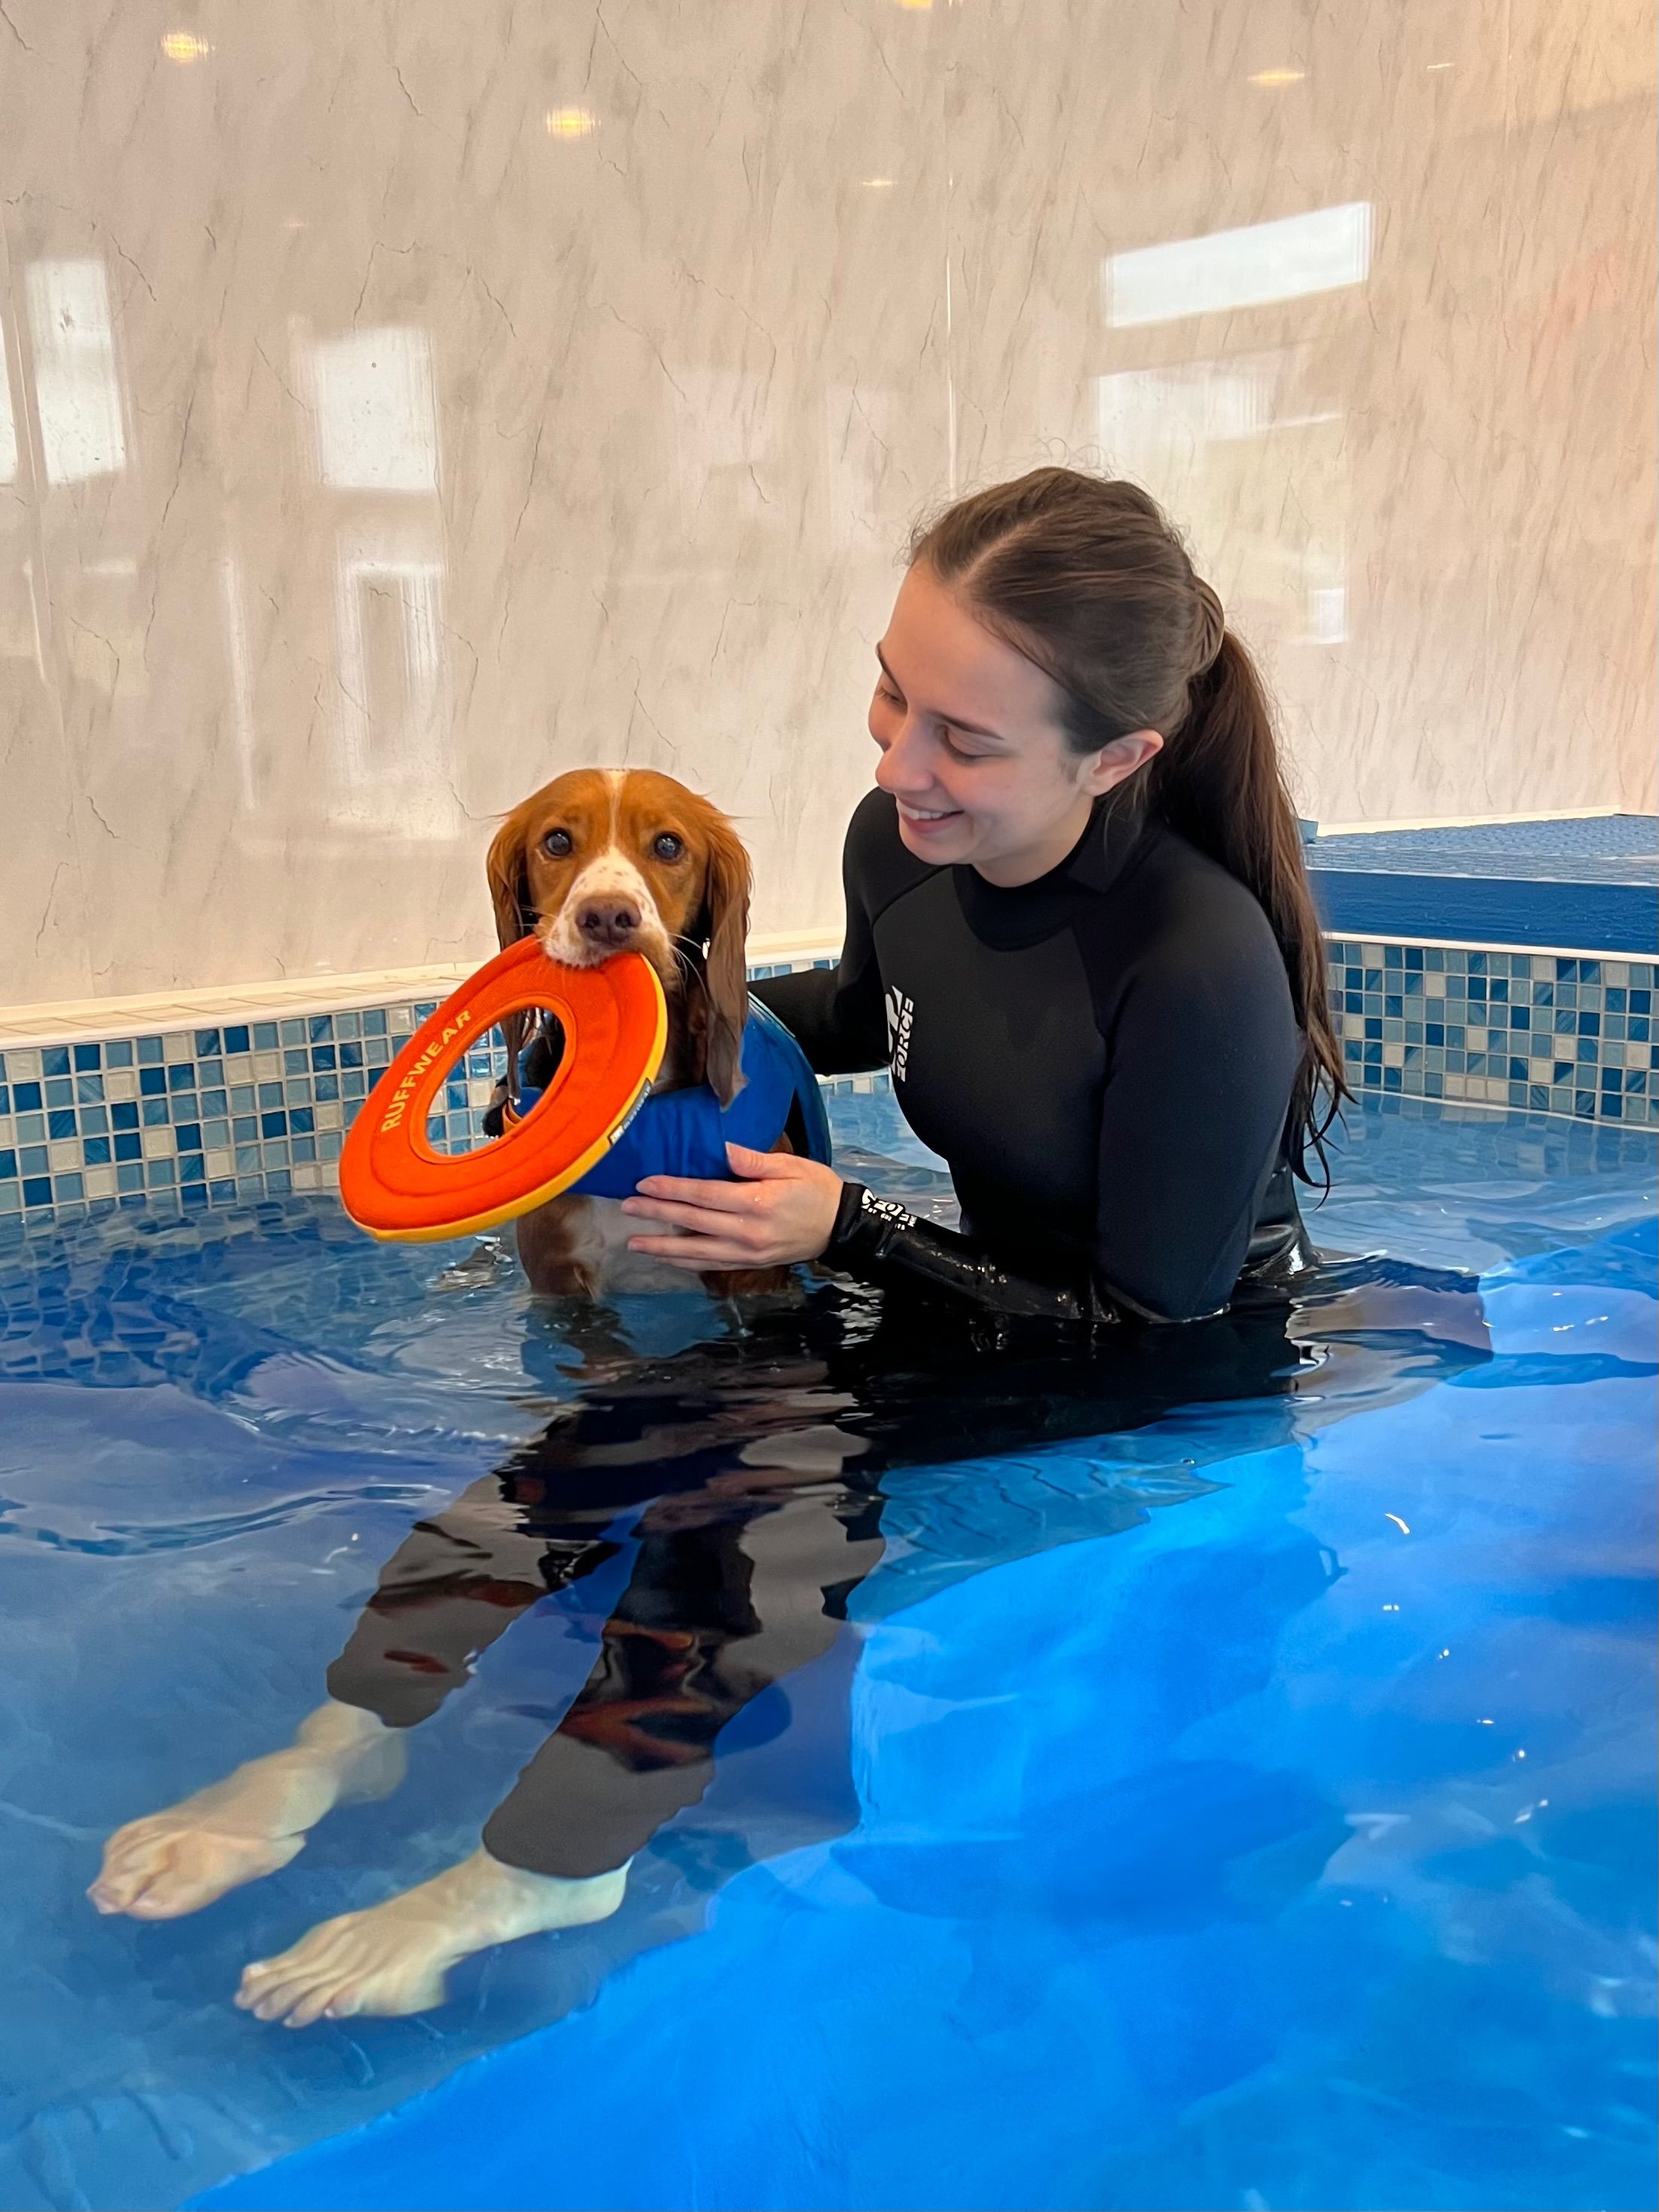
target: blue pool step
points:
(1584, 885)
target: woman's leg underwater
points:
(734, 1587)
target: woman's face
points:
(972, 749)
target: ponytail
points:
(1087, 578)
(1218, 783)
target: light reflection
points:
(77, 391)
(372, 394)
(184, 46)
(1270, 79)
(571, 122)
(1324, 250)
(8, 418)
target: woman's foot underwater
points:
(393, 1959)
(254, 1821)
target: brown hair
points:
(1089, 580)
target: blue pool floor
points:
(1244, 1808)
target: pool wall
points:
(222, 1108)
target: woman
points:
(1078, 928)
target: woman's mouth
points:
(924, 817)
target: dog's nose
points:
(608, 921)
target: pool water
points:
(1233, 1786)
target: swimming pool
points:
(1233, 1786)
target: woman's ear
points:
(726, 924)
(509, 882)
(1125, 757)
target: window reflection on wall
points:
(723, 436)
(377, 428)
(862, 432)
(373, 411)
(78, 389)
(1253, 457)
(1297, 256)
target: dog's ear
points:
(510, 881)
(509, 894)
(725, 924)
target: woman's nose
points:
(901, 769)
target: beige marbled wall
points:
(404, 403)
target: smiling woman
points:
(1077, 930)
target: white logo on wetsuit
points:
(901, 1014)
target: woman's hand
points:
(780, 1211)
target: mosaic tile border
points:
(212, 1116)
(1550, 1033)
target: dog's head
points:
(606, 861)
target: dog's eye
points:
(668, 846)
(557, 845)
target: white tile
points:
(160, 1144)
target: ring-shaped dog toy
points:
(615, 1020)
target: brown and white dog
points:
(606, 861)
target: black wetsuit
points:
(1104, 1057)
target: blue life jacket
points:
(686, 1133)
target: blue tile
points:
(192, 1168)
(37, 1190)
(206, 1040)
(265, 1038)
(322, 1055)
(271, 1094)
(67, 1187)
(322, 1028)
(8, 1167)
(129, 1147)
(305, 1148)
(149, 1051)
(159, 1175)
(273, 1125)
(89, 1088)
(59, 1089)
(152, 1082)
(61, 1124)
(5, 1100)
(351, 1055)
(236, 1038)
(293, 1030)
(213, 1103)
(125, 1113)
(327, 1086)
(130, 1176)
(181, 1076)
(223, 1192)
(98, 1152)
(154, 1112)
(188, 1137)
(54, 1060)
(373, 1023)
(244, 1129)
(88, 1058)
(119, 1053)
(296, 1060)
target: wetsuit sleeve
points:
(836, 1014)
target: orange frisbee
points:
(615, 1020)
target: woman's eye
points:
(558, 844)
(891, 696)
(668, 846)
